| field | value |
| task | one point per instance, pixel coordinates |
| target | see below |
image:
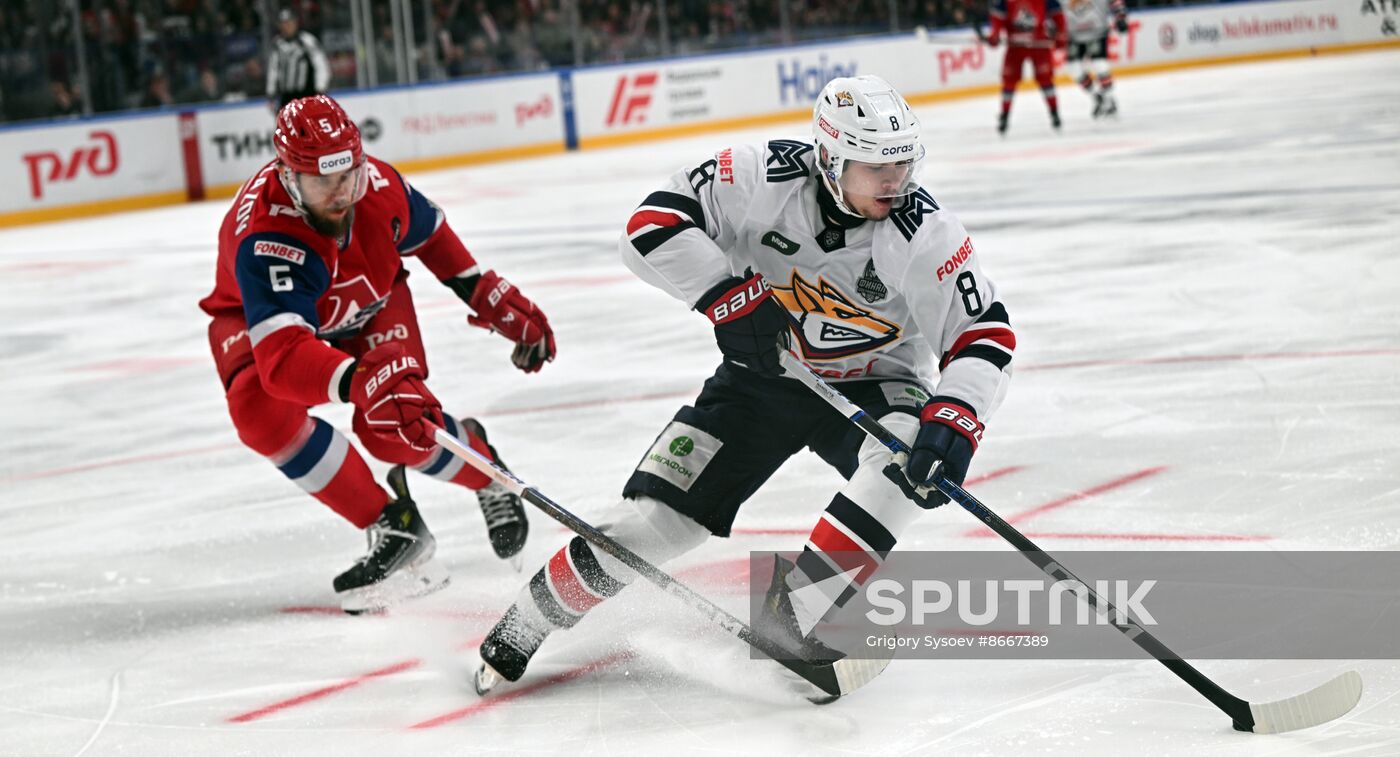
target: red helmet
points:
(315, 136)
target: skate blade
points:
(486, 679)
(401, 586)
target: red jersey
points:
(296, 287)
(1030, 23)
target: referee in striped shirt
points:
(296, 67)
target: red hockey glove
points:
(993, 39)
(748, 322)
(387, 387)
(501, 308)
(948, 435)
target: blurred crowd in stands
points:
(153, 53)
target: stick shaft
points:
(1236, 708)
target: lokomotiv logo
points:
(631, 98)
(99, 157)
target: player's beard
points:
(335, 229)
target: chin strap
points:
(833, 208)
(293, 191)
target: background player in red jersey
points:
(1033, 28)
(311, 305)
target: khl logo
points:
(800, 83)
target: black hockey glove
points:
(748, 322)
(948, 435)
(1121, 24)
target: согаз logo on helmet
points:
(335, 161)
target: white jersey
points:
(1088, 20)
(905, 297)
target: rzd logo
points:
(399, 331)
(631, 98)
(101, 159)
(964, 59)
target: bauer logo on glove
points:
(500, 307)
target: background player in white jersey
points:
(1088, 22)
(836, 251)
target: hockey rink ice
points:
(1206, 293)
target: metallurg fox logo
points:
(831, 326)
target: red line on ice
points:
(574, 405)
(123, 461)
(990, 476)
(403, 612)
(674, 394)
(325, 691)
(141, 365)
(1075, 497)
(1138, 536)
(494, 700)
(1208, 359)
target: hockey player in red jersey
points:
(311, 306)
(833, 248)
(1033, 28)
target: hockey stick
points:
(836, 679)
(1327, 702)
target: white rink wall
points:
(73, 169)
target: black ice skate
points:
(1098, 104)
(1001, 124)
(1055, 120)
(1110, 105)
(506, 524)
(506, 651)
(778, 622)
(399, 564)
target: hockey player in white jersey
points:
(834, 250)
(1088, 22)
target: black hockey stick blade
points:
(834, 680)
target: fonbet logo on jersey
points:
(830, 325)
(282, 251)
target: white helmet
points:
(863, 118)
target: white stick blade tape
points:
(1325, 703)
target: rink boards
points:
(103, 164)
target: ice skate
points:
(506, 651)
(399, 564)
(506, 525)
(778, 622)
(1098, 104)
(1001, 124)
